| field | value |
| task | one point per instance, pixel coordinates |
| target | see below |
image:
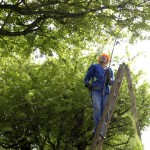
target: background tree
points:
(46, 105)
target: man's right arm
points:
(88, 77)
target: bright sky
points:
(142, 63)
(142, 60)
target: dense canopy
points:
(23, 17)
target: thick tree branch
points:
(30, 28)
(27, 11)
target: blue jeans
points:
(99, 101)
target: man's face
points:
(104, 60)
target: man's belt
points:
(96, 88)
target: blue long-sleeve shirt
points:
(97, 74)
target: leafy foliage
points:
(28, 25)
(46, 106)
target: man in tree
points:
(97, 80)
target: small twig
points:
(6, 19)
